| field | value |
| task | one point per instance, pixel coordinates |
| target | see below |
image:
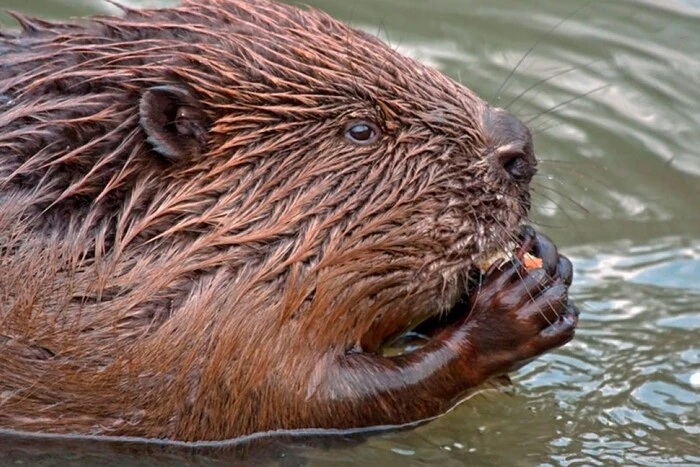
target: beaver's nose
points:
(511, 148)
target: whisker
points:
(546, 126)
(567, 102)
(578, 185)
(560, 209)
(587, 175)
(563, 161)
(518, 271)
(539, 223)
(544, 80)
(566, 197)
(537, 42)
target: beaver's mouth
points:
(422, 332)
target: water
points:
(618, 191)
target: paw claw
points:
(545, 249)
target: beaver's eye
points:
(362, 132)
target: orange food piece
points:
(531, 261)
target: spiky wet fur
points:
(203, 298)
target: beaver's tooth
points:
(498, 255)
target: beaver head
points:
(197, 200)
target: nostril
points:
(517, 165)
(511, 149)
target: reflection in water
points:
(618, 189)
(260, 450)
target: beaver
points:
(215, 217)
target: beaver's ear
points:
(174, 124)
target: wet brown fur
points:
(206, 297)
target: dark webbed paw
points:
(520, 313)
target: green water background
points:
(618, 190)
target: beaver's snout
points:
(511, 148)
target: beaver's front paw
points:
(518, 314)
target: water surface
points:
(619, 140)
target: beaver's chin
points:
(422, 332)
